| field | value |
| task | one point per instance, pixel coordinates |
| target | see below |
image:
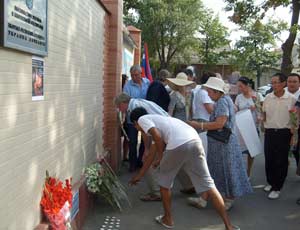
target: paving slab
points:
(252, 212)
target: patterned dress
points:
(225, 161)
(178, 105)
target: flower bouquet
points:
(257, 103)
(294, 123)
(101, 180)
(56, 202)
(258, 107)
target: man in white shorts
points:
(183, 150)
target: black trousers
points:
(277, 145)
(135, 159)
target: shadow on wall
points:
(62, 132)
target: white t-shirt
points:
(200, 97)
(173, 131)
(243, 103)
(296, 94)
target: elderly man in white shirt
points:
(126, 104)
(178, 147)
(202, 107)
(278, 134)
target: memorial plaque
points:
(24, 25)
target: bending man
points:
(184, 150)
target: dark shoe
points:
(188, 191)
(298, 201)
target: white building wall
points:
(59, 134)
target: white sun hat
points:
(180, 80)
(217, 84)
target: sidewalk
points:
(253, 212)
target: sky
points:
(218, 7)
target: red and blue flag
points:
(146, 70)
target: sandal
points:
(159, 220)
(150, 197)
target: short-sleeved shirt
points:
(177, 105)
(297, 104)
(174, 132)
(243, 103)
(277, 110)
(224, 107)
(200, 97)
(135, 90)
(296, 94)
(151, 107)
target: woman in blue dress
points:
(224, 160)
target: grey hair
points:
(135, 68)
(121, 98)
(163, 74)
(233, 79)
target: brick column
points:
(112, 78)
(136, 35)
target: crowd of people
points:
(189, 132)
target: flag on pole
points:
(146, 71)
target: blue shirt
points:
(135, 90)
(150, 107)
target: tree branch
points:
(287, 46)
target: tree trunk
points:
(206, 51)
(258, 75)
(287, 46)
(163, 64)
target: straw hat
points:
(180, 80)
(217, 84)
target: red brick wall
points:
(112, 78)
(136, 36)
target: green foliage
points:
(213, 37)
(242, 10)
(168, 26)
(245, 10)
(256, 50)
(130, 4)
(101, 180)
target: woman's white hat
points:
(180, 80)
(217, 84)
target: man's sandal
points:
(150, 197)
(159, 220)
